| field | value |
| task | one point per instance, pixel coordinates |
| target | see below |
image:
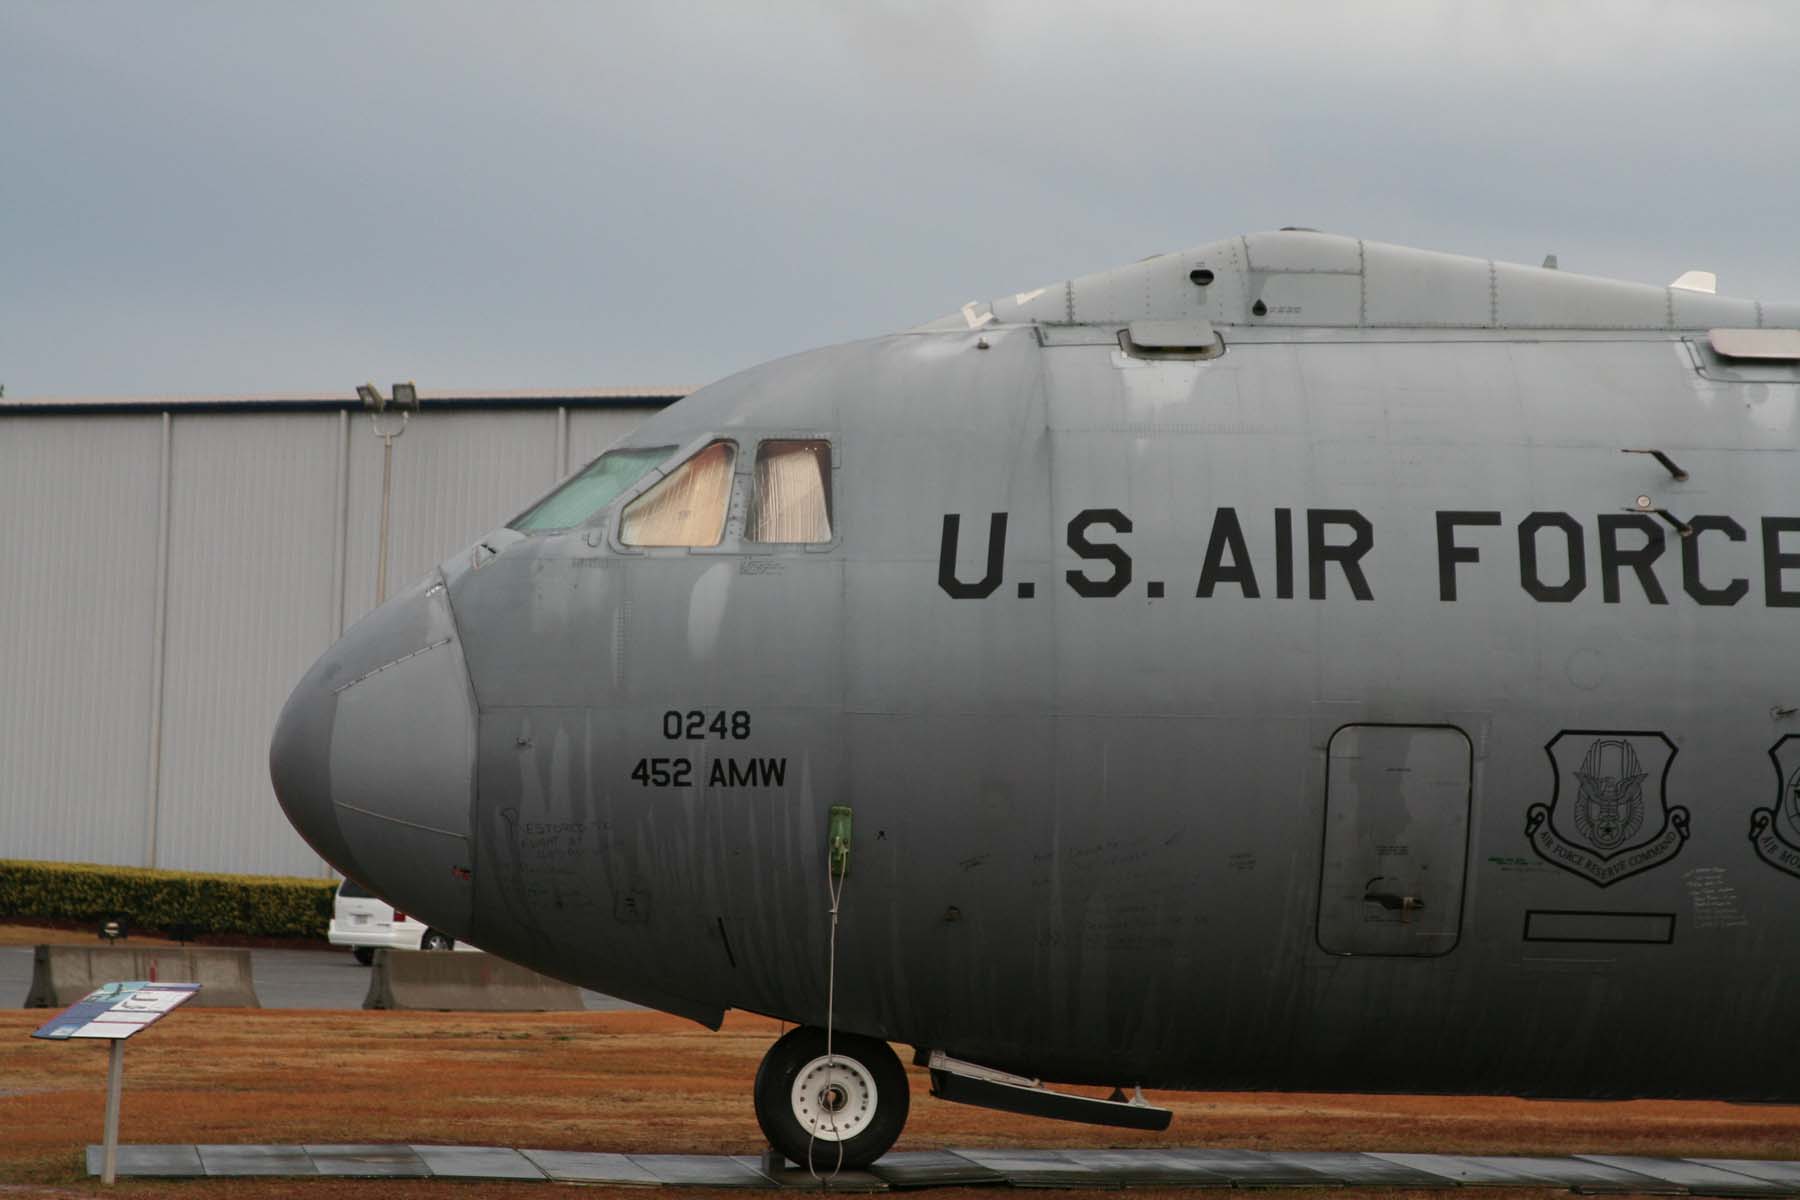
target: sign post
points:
(115, 1084)
(113, 1012)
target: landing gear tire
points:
(433, 940)
(364, 954)
(844, 1111)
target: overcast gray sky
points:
(224, 197)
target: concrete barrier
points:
(442, 981)
(61, 975)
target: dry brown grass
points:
(644, 1082)
(32, 935)
(21, 932)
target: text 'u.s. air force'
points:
(1325, 553)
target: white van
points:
(365, 923)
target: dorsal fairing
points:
(1303, 278)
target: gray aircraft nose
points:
(373, 758)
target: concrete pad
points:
(1251, 1168)
(700, 1170)
(931, 1168)
(580, 1166)
(1695, 1178)
(368, 1162)
(255, 1160)
(1358, 1170)
(789, 1176)
(1785, 1173)
(1469, 1170)
(173, 1161)
(1034, 1168)
(1585, 1175)
(1138, 1168)
(477, 1162)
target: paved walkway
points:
(961, 1168)
(284, 979)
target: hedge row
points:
(255, 905)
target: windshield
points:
(592, 490)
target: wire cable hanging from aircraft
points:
(837, 868)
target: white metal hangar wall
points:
(169, 569)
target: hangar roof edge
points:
(323, 402)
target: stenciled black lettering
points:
(1722, 597)
(1120, 578)
(1639, 559)
(1348, 556)
(1284, 554)
(1776, 560)
(1531, 579)
(1227, 534)
(996, 559)
(1449, 553)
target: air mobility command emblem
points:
(1775, 831)
(1609, 816)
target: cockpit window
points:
(688, 507)
(592, 490)
(792, 501)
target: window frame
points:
(684, 453)
(831, 493)
(600, 515)
(733, 543)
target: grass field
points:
(645, 1082)
(15, 932)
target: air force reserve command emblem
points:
(1775, 832)
(1609, 817)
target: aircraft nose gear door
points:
(1396, 839)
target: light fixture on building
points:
(405, 402)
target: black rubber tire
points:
(433, 940)
(364, 954)
(774, 1098)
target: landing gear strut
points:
(840, 1111)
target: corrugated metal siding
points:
(456, 476)
(594, 430)
(250, 608)
(252, 601)
(78, 517)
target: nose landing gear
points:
(837, 1111)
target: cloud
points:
(216, 197)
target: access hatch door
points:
(1396, 839)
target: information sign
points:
(118, 1010)
(113, 1012)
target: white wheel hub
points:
(834, 1098)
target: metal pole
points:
(115, 1083)
(562, 445)
(340, 551)
(159, 630)
(340, 533)
(387, 485)
(387, 437)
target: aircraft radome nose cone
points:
(300, 768)
(373, 757)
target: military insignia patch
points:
(1609, 817)
(1775, 832)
